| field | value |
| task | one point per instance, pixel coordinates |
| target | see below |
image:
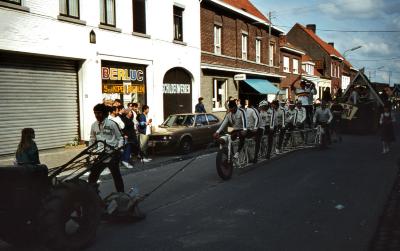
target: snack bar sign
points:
(122, 74)
(176, 88)
(125, 89)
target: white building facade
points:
(58, 59)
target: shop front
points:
(40, 93)
(123, 81)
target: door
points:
(40, 93)
(177, 92)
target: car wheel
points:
(186, 145)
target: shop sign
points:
(238, 77)
(115, 74)
(123, 89)
(176, 88)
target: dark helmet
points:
(232, 104)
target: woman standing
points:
(27, 152)
(387, 132)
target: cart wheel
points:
(23, 237)
(224, 167)
(70, 216)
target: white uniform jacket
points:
(237, 120)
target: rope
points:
(174, 174)
(168, 179)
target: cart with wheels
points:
(53, 208)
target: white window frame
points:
(217, 39)
(332, 69)
(221, 104)
(108, 13)
(286, 64)
(295, 66)
(271, 52)
(244, 45)
(258, 51)
(338, 71)
(69, 8)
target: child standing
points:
(387, 132)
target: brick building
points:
(291, 61)
(236, 39)
(328, 61)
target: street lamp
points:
(352, 49)
(342, 63)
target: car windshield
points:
(179, 120)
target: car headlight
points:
(167, 137)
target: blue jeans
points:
(126, 155)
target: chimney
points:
(332, 44)
(282, 39)
(311, 27)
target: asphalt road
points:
(308, 200)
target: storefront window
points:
(219, 94)
(123, 81)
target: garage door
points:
(41, 93)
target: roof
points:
(306, 58)
(248, 7)
(347, 63)
(327, 47)
(292, 47)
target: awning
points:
(262, 86)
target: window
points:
(217, 39)
(212, 119)
(178, 22)
(286, 64)
(69, 8)
(12, 1)
(219, 94)
(310, 69)
(107, 12)
(295, 66)
(201, 120)
(332, 70)
(338, 71)
(271, 54)
(258, 50)
(139, 16)
(244, 46)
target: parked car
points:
(184, 131)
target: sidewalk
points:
(57, 157)
(52, 157)
(387, 235)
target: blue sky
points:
(380, 51)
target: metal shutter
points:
(41, 93)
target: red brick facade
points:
(224, 66)
(290, 76)
(324, 54)
(231, 45)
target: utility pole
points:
(270, 24)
